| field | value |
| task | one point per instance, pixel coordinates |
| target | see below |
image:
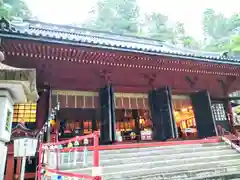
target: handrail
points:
(77, 138)
(223, 132)
(94, 136)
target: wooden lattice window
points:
(25, 112)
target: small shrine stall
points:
(13, 164)
(17, 85)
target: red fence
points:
(52, 155)
(230, 138)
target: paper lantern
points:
(76, 143)
(70, 145)
(2, 56)
(52, 122)
(133, 135)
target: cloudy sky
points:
(187, 11)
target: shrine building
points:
(129, 87)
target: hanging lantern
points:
(2, 56)
(52, 122)
(44, 147)
(76, 143)
(141, 120)
(70, 145)
(43, 171)
(58, 106)
(85, 141)
(133, 135)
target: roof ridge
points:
(37, 23)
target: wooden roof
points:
(21, 131)
(72, 35)
(70, 58)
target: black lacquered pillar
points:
(160, 103)
(107, 115)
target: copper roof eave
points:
(220, 60)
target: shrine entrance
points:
(133, 125)
(138, 117)
(185, 118)
(73, 122)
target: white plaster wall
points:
(6, 105)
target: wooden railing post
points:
(96, 160)
(40, 158)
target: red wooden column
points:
(230, 116)
(10, 163)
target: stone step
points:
(130, 170)
(129, 175)
(179, 162)
(167, 159)
(157, 151)
(173, 147)
(153, 157)
(168, 163)
(190, 174)
(221, 176)
(181, 167)
(164, 157)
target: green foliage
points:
(221, 32)
(190, 42)
(118, 16)
(235, 44)
(11, 9)
(123, 17)
(156, 27)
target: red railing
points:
(95, 148)
(229, 138)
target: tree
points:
(118, 16)
(183, 38)
(235, 45)
(219, 30)
(190, 42)
(11, 9)
(157, 28)
(216, 25)
(234, 23)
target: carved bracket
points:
(105, 76)
(191, 81)
(150, 79)
(226, 85)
